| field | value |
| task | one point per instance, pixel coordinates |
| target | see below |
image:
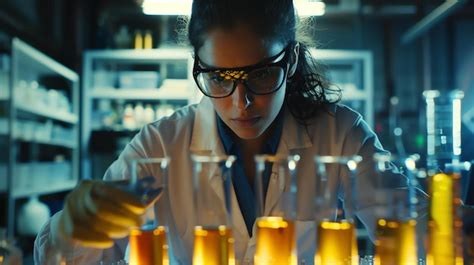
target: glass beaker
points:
(443, 111)
(213, 240)
(276, 243)
(443, 128)
(395, 210)
(148, 181)
(445, 224)
(336, 241)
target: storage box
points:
(104, 79)
(139, 79)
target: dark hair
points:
(308, 90)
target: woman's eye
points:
(215, 78)
(260, 74)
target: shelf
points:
(133, 56)
(42, 139)
(60, 116)
(115, 130)
(170, 90)
(47, 188)
(60, 143)
(34, 56)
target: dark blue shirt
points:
(244, 190)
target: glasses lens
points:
(266, 80)
(214, 85)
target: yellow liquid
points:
(213, 246)
(148, 247)
(396, 243)
(444, 226)
(275, 242)
(336, 244)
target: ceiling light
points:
(304, 8)
(307, 8)
(167, 7)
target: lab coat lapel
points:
(206, 141)
(294, 138)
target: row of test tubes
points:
(398, 211)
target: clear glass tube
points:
(213, 240)
(148, 244)
(395, 211)
(276, 243)
(443, 120)
(445, 239)
(336, 242)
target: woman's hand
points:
(96, 212)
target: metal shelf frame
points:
(30, 63)
(362, 63)
(171, 89)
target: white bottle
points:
(149, 115)
(128, 120)
(32, 216)
(139, 115)
(159, 112)
(169, 110)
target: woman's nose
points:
(242, 98)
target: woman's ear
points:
(294, 59)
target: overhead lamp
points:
(304, 8)
(308, 8)
(167, 7)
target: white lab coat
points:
(193, 129)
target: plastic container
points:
(139, 79)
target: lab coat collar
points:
(205, 137)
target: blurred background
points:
(78, 78)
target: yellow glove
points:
(96, 212)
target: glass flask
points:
(444, 168)
(336, 242)
(275, 229)
(213, 240)
(395, 210)
(148, 244)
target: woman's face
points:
(246, 114)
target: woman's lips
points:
(245, 122)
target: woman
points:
(262, 93)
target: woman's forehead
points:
(237, 47)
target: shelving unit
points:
(48, 113)
(352, 71)
(179, 93)
(117, 78)
(42, 135)
(61, 186)
(4, 124)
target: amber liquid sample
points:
(396, 243)
(336, 244)
(213, 246)
(148, 247)
(276, 242)
(444, 225)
